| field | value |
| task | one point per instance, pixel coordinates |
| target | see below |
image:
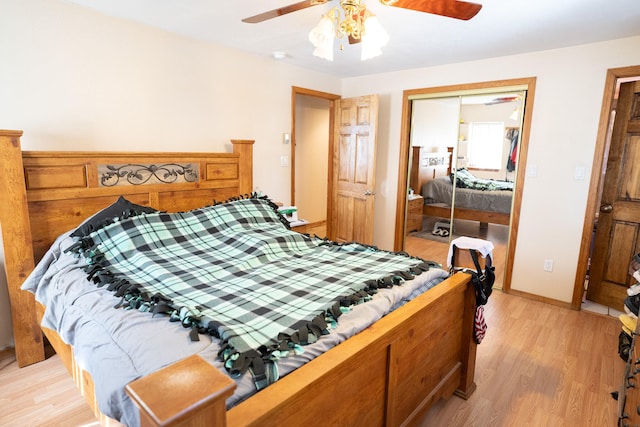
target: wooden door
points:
(617, 236)
(354, 170)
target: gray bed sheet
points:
(440, 190)
(117, 346)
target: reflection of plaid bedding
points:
(465, 179)
(237, 265)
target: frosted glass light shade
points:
(374, 38)
(322, 37)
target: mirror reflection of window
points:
(485, 145)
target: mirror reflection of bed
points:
(444, 133)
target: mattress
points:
(440, 190)
(117, 346)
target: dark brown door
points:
(617, 236)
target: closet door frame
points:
(528, 84)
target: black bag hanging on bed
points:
(482, 280)
(483, 284)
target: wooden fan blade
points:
(280, 11)
(451, 8)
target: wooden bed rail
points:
(375, 365)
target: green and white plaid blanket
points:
(236, 271)
(465, 179)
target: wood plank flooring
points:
(539, 365)
(43, 394)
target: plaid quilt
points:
(465, 179)
(235, 270)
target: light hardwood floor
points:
(40, 395)
(539, 365)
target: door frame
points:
(405, 145)
(295, 90)
(593, 201)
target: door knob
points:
(369, 193)
(606, 208)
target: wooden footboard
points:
(443, 211)
(388, 375)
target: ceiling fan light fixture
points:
(322, 37)
(374, 37)
(324, 52)
(352, 20)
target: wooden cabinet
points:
(629, 393)
(414, 213)
(302, 228)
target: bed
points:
(485, 205)
(407, 360)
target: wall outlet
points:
(548, 265)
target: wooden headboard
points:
(44, 194)
(426, 166)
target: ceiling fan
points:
(450, 8)
(503, 99)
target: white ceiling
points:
(502, 27)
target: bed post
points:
(469, 346)
(188, 393)
(18, 252)
(244, 147)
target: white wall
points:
(434, 124)
(566, 112)
(73, 79)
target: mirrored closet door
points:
(464, 158)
